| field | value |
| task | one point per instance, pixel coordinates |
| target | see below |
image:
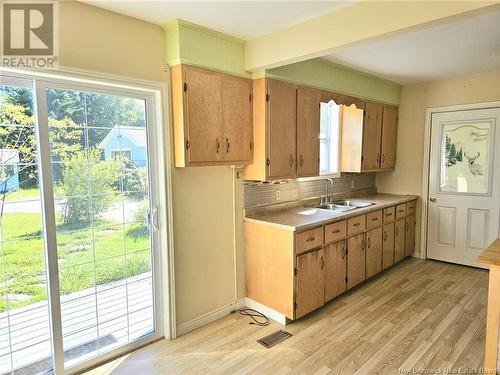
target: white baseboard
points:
(210, 317)
(267, 311)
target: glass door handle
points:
(432, 199)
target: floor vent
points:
(274, 338)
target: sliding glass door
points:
(93, 229)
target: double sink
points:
(343, 206)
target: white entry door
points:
(464, 184)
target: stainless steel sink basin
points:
(343, 206)
(355, 204)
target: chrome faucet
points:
(329, 181)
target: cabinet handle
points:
(397, 231)
(369, 242)
(362, 244)
(374, 218)
(357, 224)
(301, 162)
(227, 145)
(385, 236)
(322, 262)
(388, 214)
(383, 158)
(311, 239)
(217, 144)
(378, 158)
(291, 161)
(344, 253)
(336, 231)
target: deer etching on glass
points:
(475, 168)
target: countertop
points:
(302, 218)
(491, 255)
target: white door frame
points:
(427, 150)
(158, 94)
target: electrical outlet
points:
(278, 194)
(353, 184)
(295, 194)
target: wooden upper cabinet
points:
(308, 123)
(274, 131)
(372, 136)
(212, 117)
(310, 282)
(203, 104)
(282, 118)
(389, 137)
(237, 119)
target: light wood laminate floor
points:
(418, 314)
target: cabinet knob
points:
(432, 199)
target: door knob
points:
(433, 199)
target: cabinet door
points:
(389, 137)
(308, 117)
(372, 134)
(335, 269)
(388, 245)
(237, 119)
(282, 128)
(310, 282)
(356, 260)
(399, 240)
(203, 108)
(410, 235)
(373, 252)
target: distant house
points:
(9, 170)
(127, 142)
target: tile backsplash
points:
(262, 194)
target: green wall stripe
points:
(198, 46)
(327, 75)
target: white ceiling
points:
(462, 47)
(243, 19)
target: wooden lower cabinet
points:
(387, 245)
(295, 273)
(373, 252)
(310, 282)
(399, 240)
(335, 269)
(356, 260)
(410, 235)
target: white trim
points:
(267, 311)
(425, 170)
(209, 317)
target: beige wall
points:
(94, 39)
(415, 99)
(98, 40)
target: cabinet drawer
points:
(335, 231)
(373, 219)
(308, 240)
(410, 207)
(400, 211)
(356, 225)
(389, 214)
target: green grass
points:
(22, 195)
(112, 247)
